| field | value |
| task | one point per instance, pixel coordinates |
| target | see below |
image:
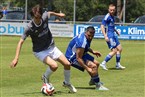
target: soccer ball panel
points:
(47, 89)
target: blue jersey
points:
(108, 22)
(79, 41)
(4, 12)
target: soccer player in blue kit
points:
(109, 32)
(43, 46)
(77, 54)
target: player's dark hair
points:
(90, 29)
(36, 8)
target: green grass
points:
(24, 80)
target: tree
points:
(134, 9)
(65, 6)
(119, 8)
(85, 9)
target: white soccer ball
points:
(47, 89)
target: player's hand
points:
(61, 14)
(106, 39)
(14, 63)
(98, 54)
(118, 33)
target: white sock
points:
(67, 76)
(104, 62)
(118, 64)
(48, 72)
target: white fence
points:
(58, 30)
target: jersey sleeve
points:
(46, 16)
(81, 43)
(26, 33)
(104, 21)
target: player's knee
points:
(54, 67)
(67, 66)
(97, 63)
(120, 50)
(94, 70)
(114, 51)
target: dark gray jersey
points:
(40, 34)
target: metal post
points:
(26, 1)
(124, 8)
(74, 17)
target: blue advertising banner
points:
(126, 32)
(12, 28)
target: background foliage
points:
(85, 9)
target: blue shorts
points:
(113, 42)
(76, 64)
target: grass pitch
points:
(25, 79)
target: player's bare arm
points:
(104, 33)
(98, 54)
(56, 14)
(18, 49)
(79, 54)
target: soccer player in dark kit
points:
(43, 46)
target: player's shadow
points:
(30, 93)
(115, 69)
(62, 92)
(86, 88)
(39, 93)
(56, 92)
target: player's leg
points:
(112, 46)
(52, 67)
(91, 82)
(118, 57)
(44, 56)
(59, 56)
(93, 64)
(62, 59)
(108, 58)
(94, 75)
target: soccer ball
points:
(47, 89)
